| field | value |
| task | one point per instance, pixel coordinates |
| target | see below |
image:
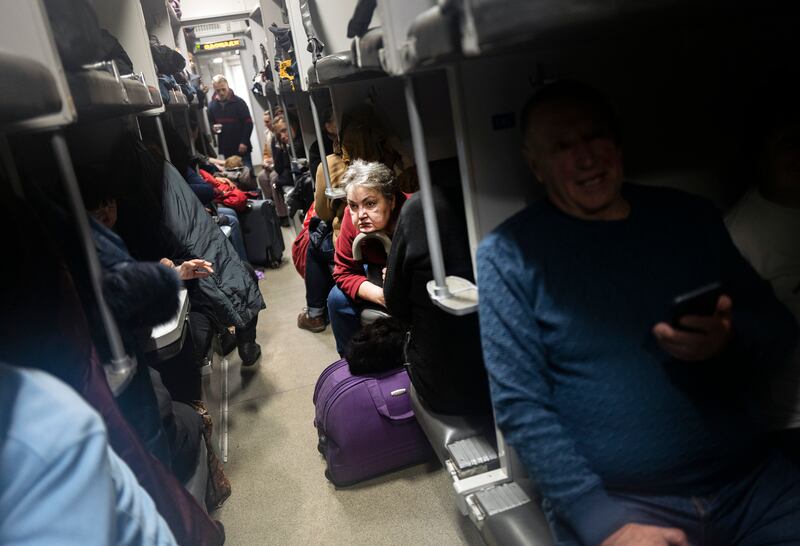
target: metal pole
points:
(321, 141)
(288, 127)
(162, 138)
(122, 366)
(426, 191)
(468, 187)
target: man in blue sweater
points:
(637, 432)
(231, 112)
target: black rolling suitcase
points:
(261, 230)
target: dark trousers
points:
(181, 373)
(183, 429)
(761, 508)
(319, 278)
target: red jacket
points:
(348, 272)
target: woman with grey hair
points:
(373, 205)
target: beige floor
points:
(280, 495)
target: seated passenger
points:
(158, 217)
(42, 310)
(444, 350)
(281, 168)
(318, 275)
(60, 481)
(634, 429)
(269, 135)
(241, 175)
(373, 203)
(765, 225)
(141, 296)
(363, 137)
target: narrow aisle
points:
(280, 495)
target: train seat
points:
(367, 50)
(41, 93)
(433, 37)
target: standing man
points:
(637, 431)
(229, 115)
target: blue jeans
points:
(762, 508)
(344, 315)
(318, 277)
(236, 231)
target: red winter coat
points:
(225, 195)
(300, 245)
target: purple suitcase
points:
(365, 424)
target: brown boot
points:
(312, 324)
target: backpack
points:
(301, 195)
(166, 59)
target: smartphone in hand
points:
(701, 302)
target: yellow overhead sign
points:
(224, 45)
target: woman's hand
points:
(193, 269)
(371, 292)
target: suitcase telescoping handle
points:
(382, 406)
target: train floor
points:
(280, 495)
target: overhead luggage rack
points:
(339, 68)
(27, 89)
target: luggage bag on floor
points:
(261, 230)
(365, 424)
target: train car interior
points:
(183, 177)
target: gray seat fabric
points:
(442, 430)
(139, 94)
(369, 47)
(39, 96)
(97, 94)
(434, 37)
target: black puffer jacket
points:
(231, 290)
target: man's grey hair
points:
(219, 78)
(371, 175)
